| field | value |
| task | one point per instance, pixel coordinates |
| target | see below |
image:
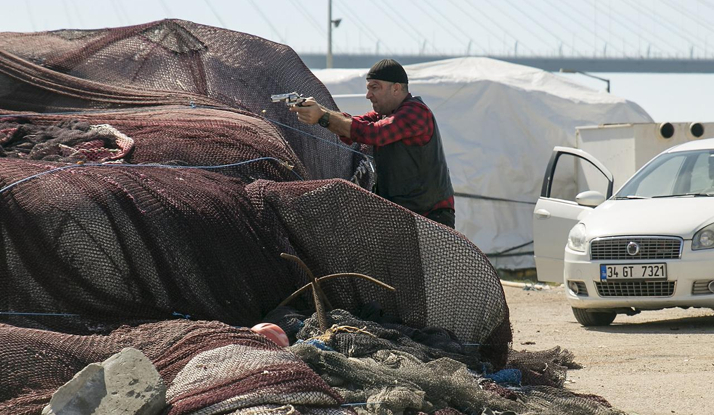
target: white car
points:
(650, 246)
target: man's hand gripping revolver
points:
(291, 99)
(310, 112)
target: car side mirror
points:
(591, 198)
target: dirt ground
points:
(657, 362)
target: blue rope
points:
(319, 138)
(185, 316)
(316, 343)
(362, 404)
(11, 185)
(40, 114)
(506, 377)
(12, 313)
(15, 313)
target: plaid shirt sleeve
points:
(412, 123)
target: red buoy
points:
(273, 332)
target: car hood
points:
(676, 216)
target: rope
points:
(337, 329)
(496, 199)
(42, 114)
(505, 251)
(529, 253)
(362, 404)
(17, 313)
(13, 313)
(319, 138)
(168, 166)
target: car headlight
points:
(704, 238)
(576, 238)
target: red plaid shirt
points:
(412, 123)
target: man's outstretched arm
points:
(310, 113)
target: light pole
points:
(330, 22)
(587, 74)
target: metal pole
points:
(588, 75)
(329, 34)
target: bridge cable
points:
(69, 16)
(215, 14)
(457, 27)
(557, 37)
(406, 28)
(691, 18)
(695, 18)
(310, 19)
(265, 18)
(361, 26)
(706, 3)
(76, 11)
(595, 33)
(489, 20)
(556, 21)
(518, 23)
(638, 10)
(431, 16)
(481, 25)
(657, 20)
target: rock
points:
(126, 383)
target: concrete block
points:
(126, 383)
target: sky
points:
(577, 28)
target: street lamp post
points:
(330, 22)
(587, 74)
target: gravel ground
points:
(657, 362)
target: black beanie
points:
(388, 70)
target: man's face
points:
(380, 95)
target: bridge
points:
(661, 36)
(554, 64)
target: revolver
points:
(290, 99)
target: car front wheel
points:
(589, 318)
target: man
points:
(410, 162)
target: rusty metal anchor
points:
(318, 295)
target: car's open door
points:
(570, 171)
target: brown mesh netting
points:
(206, 366)
(146, 174)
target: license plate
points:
(633, 272)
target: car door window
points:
(574, 175)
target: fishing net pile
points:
(146, 176)
(207, 366)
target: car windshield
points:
(679, 174)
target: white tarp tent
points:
(499, 123)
